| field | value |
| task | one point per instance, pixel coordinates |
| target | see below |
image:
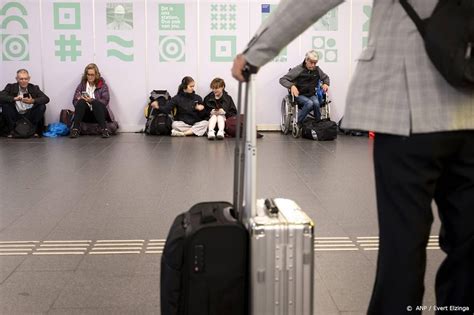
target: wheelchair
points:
(289, 112)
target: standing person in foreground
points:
(423, 150)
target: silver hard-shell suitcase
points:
(281, 234)
(281, 253)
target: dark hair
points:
(184, 83)
(91, 66)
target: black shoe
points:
(74, 133)
(105, 133)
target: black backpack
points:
(23, 128)
(158, 123)
(449, 39)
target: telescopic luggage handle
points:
(245, 152)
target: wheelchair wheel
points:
(285, 123)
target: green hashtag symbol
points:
(67, 48)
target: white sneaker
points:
(220, 135)
(176, 133)
(211, 135)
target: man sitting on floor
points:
(23, 99)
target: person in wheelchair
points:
(302, 81)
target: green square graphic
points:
(67, 16)
(172, 17)
(172, 48)
(223, 17)
(328, 22)
(15, 47)
(223, 48)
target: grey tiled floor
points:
(130, 187)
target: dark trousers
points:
(410, 172)
(34, 115)
(98, 114)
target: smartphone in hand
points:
(84, 94)
(26, 95)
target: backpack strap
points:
(420, 25)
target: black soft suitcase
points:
(204, 263)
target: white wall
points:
(167, 40)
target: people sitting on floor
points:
(222, 107)
(91, 102)
(23, 100)
(190, 114)
(303, 81)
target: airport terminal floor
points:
(83, 221)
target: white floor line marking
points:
(18, 242)
(59, 253)
(64, 245)
(120, 241)
(334, 245)
(153, 252)
(13, 254)
(115, 248)
(326, 242)
(334, 249)
(114, 253)
(368, 241)
(72, 241)
(15, 249)
(332, 238)
(371, 248)
(20, 245)
(118, 244)
(154, 247)
(62, 249)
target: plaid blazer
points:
(395, 88)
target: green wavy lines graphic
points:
(122, 43)
(14, 18)
(11, 5)
(119, 41)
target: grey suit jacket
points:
(401, 91)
